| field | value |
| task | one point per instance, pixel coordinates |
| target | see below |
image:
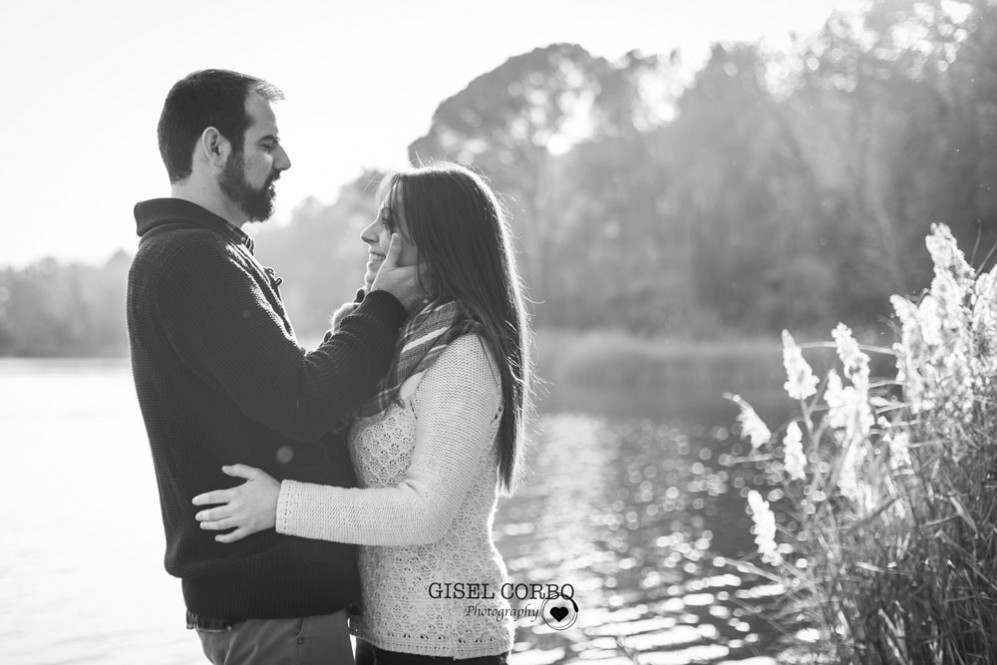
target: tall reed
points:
(886, 540)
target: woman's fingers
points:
(225, 496)
(215, 514)
(219, 524)
(216, 496)
(239, 508)
(241, 471)
(238, 534)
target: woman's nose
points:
(369, 235)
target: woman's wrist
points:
(284, 501)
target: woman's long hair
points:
(461, 234)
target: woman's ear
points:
(425, 275)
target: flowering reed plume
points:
(889, 486)
(752, 426)
(764, 528)
(796, 460)
(801, 382)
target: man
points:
(221, 379)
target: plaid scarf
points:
(422, 340)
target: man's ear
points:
(214, 148)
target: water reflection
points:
(81, 556)
(639, 517)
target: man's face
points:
(249, 173)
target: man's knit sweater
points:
(221, 380)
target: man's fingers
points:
(394, 250)
(208, 498)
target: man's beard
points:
(256, 204)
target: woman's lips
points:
(374, 262)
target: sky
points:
(84, 82)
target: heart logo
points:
(559, 612)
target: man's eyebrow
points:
(270, 137)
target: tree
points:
(885, 108)
(513, 122)
(741, 184)
(319, 254)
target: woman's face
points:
(390, 219)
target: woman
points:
(436, 442)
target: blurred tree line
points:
(49, 309)
(767, 190)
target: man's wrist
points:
(383, 303)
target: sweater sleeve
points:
(457, 405)
(220, 322)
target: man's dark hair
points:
(208, 98)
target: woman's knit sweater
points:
(424, 516)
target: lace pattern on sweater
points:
(430, 479)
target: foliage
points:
(748, 199)
(52, 309)
(890, 535)
(320, 255)
(515, 123)
(49, 309)
(763, 191)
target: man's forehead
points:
(261, 115)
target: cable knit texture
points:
(430, 478)
(220, 379)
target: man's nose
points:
(283, 162)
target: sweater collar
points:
(157, 212)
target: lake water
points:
(633, 504)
